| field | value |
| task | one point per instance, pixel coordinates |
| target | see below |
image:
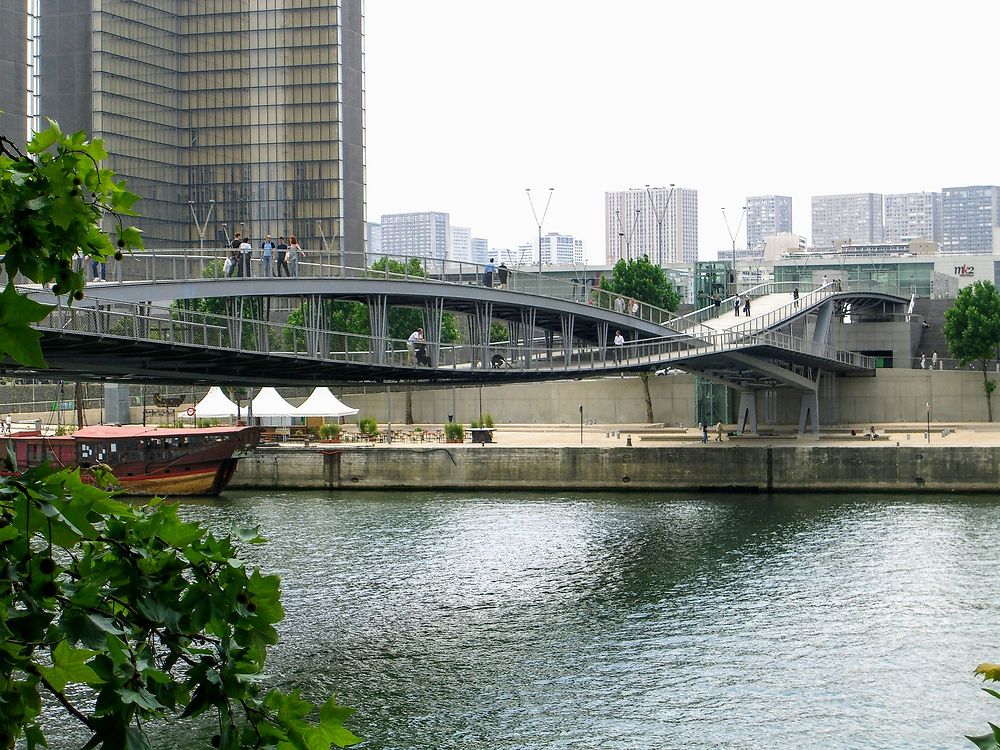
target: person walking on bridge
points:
(281, 262)
(502, 273)
(294, 251)
(488, 273)
(267, 248)
(246, 252)
(746, 306)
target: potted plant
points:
(329, 433)
(454, 432)
(368, 427)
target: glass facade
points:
(255, 104)
(892, 278)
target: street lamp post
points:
(201, 227)
(659, 214)
(539, 222)
(732, 234)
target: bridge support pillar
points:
(378, 320)
(747, 421)
(433, 316)
(809, 412)
(824, 317)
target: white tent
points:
(322, 403)
(268, 405)
(215, 404)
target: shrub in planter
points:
(329, 432)
(368, 426)
(454, 432)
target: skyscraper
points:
(16, 28)
(258, 107)
(660, 223)
(911, 216)
(968, 215)
(767, 214)
(855, 218)
(425, 235)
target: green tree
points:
(642, 280)
(972, 330)
(146, 616)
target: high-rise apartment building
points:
(561, 249)
(968, 216)
(460, 244)
(660, 223)
(373, 241)
(767, 215)
(480, 250)
(852, 218)
(256, 106)
(912, 216)
(424, 235)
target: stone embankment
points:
(894, 463)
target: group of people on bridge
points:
(285, 257)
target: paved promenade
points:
(976, 434)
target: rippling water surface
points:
(662, 621)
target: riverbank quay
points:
(900, 460)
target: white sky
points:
(469, 102)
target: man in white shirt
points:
(415, 338)
(246, 251)
(619, 346)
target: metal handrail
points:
(139, 322)
(183, 265)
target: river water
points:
(607, 621)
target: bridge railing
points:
(182, 265)
(134, 321)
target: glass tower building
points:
(257, 105)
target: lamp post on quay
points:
(659, 214)
(539, 222)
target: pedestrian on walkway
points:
(795, 296)
(246, 253)
(266, 250)
(281, 261)
(746, 306)
(294, 251)
(934, 360)
(736, 305)
(718, 432)
(704, 432)
(488, 273)
(923, 361)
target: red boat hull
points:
(145, 461)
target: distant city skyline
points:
(731, 100)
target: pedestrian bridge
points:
(152, 330)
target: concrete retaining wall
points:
(753, 468)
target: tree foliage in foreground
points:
(118, 615)
(972, 330)
(52, 200)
